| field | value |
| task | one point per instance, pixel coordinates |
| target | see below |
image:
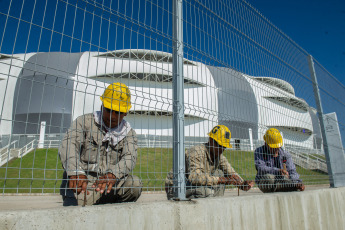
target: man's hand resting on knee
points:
(107, 180)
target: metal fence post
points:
(178, 104)
(320, 115)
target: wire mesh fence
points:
(58, 58)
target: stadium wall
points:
(59, 87)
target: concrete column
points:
(42, 135)
(251, 139)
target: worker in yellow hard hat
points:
(276, 171)
(207, 170)
(99, 153)
(116, 104)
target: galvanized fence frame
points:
(225, 39)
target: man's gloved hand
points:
(224, 180)
(232, 179)
(78, 183)
(108, 179)
(300, 187)
(246, 185)
(236, 180)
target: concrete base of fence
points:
(316, 209)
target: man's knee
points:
(268, 178)
(286, 185)
(267, 183)
(200, 192)
(131, 189)
(133, 181)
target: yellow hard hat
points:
(273, 138)
(222, 135)
(117, 97)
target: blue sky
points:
(318, 26)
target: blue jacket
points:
(264, 163)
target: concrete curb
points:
(317, 209)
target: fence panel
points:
(260, 80)
(241, 71)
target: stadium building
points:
(56, 88)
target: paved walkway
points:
(17, 202)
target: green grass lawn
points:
(37, 172)
(153, 165)
(40, 171)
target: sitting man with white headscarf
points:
(99, 153)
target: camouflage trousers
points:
(197, 191)
(125, 190)
(272, 183)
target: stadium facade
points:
(59, 87)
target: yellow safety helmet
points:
(222, 135)
(117, 97)
(273, 138)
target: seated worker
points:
(207, 170)
(276, 171)
(99, 152)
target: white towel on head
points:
(113, 135)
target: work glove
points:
(246, 185)
(300, 187)
(236, 179)
(232, 179)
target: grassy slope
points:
(39, 171)
(152, 167)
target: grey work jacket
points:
(82, 150)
